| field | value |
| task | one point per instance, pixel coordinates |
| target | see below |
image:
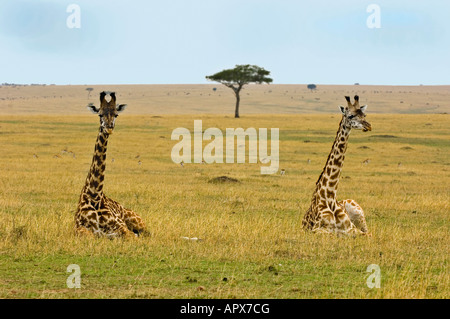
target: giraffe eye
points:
(116, 115)
(351, 116)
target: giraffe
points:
(325, 214)
(96, 213)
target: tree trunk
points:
(236, 90)
(238, 99)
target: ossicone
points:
(102, 96)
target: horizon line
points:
(217, 83)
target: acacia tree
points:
(241, 75)
(89, 91)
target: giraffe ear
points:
(121, 107)
(343, 109)
(92, 108)
(363, 108)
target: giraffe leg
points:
(326, 224)
(109, 225)
(83, 232)
(84, 226)
(356, 214)
(121, 232)
(134, 222)
(115, 227)
(344, 224)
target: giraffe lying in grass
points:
(96, 213)
(326, 214)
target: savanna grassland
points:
(252, 244)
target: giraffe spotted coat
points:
(326, 214)
(96, 213)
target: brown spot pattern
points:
(325, 214)
(97, 214)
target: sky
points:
(182, 41)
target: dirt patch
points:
(385, 136)
(223, 179)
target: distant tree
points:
(89, 91)
(312, 87)
(241, 75)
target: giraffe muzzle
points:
(367, 127)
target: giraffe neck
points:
(328, 181)
(94, 181)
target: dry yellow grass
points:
(201, 99)
(250, 231)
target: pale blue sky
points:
(181, 41)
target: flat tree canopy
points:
(241, 75)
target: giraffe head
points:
(354, 115)
(108, 111)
